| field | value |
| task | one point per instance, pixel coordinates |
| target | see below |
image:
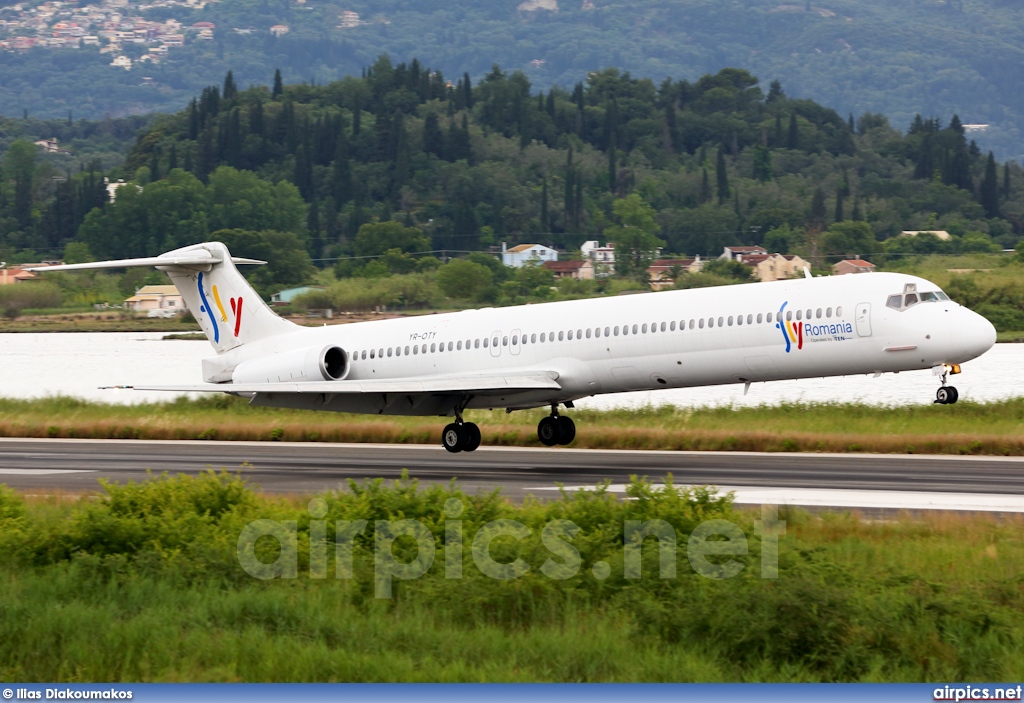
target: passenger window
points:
(607, 330)
(799, 314)
(579, 334)
(911, 299)
(363, 357)
(389, 351)
(597, 331)
(750, 319)
(561, 336)
(533, 338)
(476, 343)
(758, 318)
(588, 333)
(663, 326)
(486, 342)
(450, 346)
(672, 327)
(817, 313)
(504, 341)
(828, 312)
(730, 320)
(789, 315)
(494, 342)
(570, 335)
(380, 352)
(739, 319)
(839, 311)
(634, 329)
(543, 336)
(515, 339)
(721, 322)
(644, 328)
(691, 324)
(809, 314)
(459, 345)
(894, 302)
(700, 323)
(625, 330)
(373, 353)
(616, 330)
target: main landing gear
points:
(947, 395)
(556, 429)
(460, 436)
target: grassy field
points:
(965, 428)
(142, 583)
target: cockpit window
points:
(909, 299)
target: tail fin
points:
(227, 308)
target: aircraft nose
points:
(979, 334)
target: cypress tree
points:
(341, 180)
(777, 141)
(544, 206)
(989, 191)
(569, 198)
(721, 176)
(313, 226)
(172, 157)
(433, 137)
(154, 167)
(256, 121)
(193, 120)
(670, 127)
(612, 166)
(1006, 180)
(762, 163)
(467, 147)
(839, 205)
(793, 139)
(467, 91)
(549, 106)
(577, 208)
(230, 89)
(357, 118)
(817, 219)
(856, 215)
(207, 156)
(851, 124)
(278, 89)
(303, 176)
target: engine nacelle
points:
(310, 364)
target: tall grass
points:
(995, 428)
(141, 584)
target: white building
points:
(517, 256)
(602, 256)
(122, 62)
(156, 298)
(738, 252)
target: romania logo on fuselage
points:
(236, 309)
(794, 332)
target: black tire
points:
(472, 436)
(453, 438)
(943, 396)
(566, 430)
(954, 393)
(548, 432)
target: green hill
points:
(934, 57)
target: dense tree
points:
(635, 236)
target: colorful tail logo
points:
(791, 332)
(236, 309)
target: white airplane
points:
(552, 354)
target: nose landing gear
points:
(556, 429)
(947, 395)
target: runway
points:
(48, 465)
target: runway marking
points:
(847, 498)
(45, 472)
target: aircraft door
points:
(863, 318)
(513, 344)
(496, 343)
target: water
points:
(77, 364)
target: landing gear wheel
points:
(472, 433)
(947, 395)
(453, 438)
(566, 430)
(548, 431)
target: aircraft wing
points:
(445, 384)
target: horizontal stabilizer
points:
(194, 259)
(533, 380)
